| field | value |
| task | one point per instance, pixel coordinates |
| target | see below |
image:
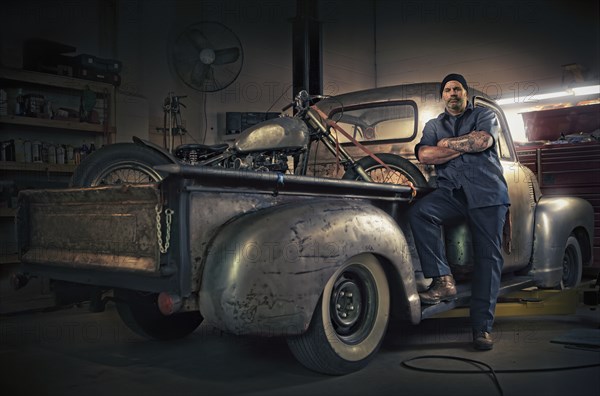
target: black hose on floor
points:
(483, 365)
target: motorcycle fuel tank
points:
(275, 134)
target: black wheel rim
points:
(129, 172)
(353, 304)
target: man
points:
(461, 143)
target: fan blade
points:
(211, 84)
(227, 55)
(199, 73)
(197, 39)
(184, 58)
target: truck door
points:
(523, 190)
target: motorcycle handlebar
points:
(300, 101)
(287, 107)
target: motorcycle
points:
(276, 145)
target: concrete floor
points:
(75, 352)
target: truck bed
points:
(108, 235)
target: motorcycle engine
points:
(265, 161)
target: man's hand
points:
(473, 142)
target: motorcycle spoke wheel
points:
(127, 173)
(401, 172)
(382, 175)
(120, 163)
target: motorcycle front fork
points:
(361, 172)
(344, 157)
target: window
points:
(378, 123)
(503, 150)
(503, 145)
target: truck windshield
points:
(378, 123)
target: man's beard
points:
(455, 104)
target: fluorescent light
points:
(506, 101)
(534, 98)
(589, 90)
(550, 95)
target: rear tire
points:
(350, 320)
(120, 163)
(139, 311)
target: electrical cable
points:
(277, 100)
(205, 132)
(489, 370)
(475, 362)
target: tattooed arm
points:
(473, 142)
(435, 155)
(450, 148)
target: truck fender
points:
(265, 271)
(555, 219)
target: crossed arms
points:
(450, 148)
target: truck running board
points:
(464, 295)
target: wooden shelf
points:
(8, 212)
(53, 80)
(55, 124)
(36, 167)
(9, 259)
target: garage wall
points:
(139, 32)
(147, 30)
(348, 45)
(69, 22)
(502, 47)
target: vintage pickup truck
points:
(324, 262)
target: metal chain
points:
(168, 217)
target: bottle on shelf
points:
(52, 154)
(19, 150)
(45, 152)
(8, 150)
(19, 103)
(70, 154)
(36, 151)
(27, 149)
(48, 110)
(60, 154)
(83, 151)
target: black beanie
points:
(453, 77)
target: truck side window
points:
(504, 151)
(501, 144)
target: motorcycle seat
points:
(215, 148)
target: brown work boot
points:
(482, 340)
(443, 288)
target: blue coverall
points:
(471, 187)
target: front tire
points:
(572, 264)
(120, 163)
(403, 171)
(350, 320)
